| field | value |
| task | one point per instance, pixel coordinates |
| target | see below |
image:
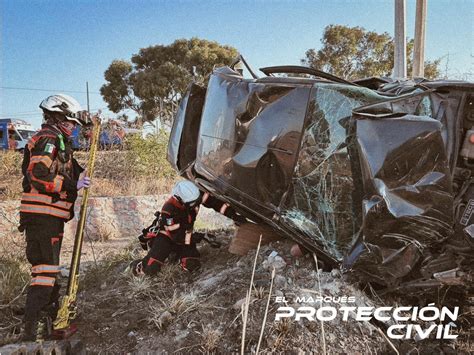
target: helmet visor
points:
(80, 117)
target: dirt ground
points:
(178, 312)
(200, 312)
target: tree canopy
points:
(355, 53)
(152, 83)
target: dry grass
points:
(10, 190)
(108, 265)
(14, 276)
(266, 312)
(116, 174)
(209, 339)
(105, 232)
(175, 305)
(169, 273)
(155, 317)
(179, 304)
(10, 163)
(140, 286)
(246, 305)
(134, 172)
(284, 326)
(259, 292)
(12, 243)
(10, 176)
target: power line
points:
(22, 116)
(22, 112)
(47, 90)
(37, 114)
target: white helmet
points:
(187, 191)
(65, 105)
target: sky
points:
(52, 46)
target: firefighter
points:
(174, 231)
(50, 185)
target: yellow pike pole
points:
(67, 311)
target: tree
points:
(157, 77)
(354, 53)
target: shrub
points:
(10, 163)
(140, 169)
(13, 278)
(147, 156)
(10, 174)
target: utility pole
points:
(87, 90)
(420, 33)
(400, 63)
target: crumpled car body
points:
(377, 181)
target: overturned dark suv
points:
(374, 176)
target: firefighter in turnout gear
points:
(50, 185)
(173, 230)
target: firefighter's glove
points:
(145, 238)
(84, 182)
(143, 242)
(136, 267)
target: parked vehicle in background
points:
(374, 176)
(112, 136)
(15, 133)
(78, 138)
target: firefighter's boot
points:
(31, 330)
(136, 267)
(45, 327)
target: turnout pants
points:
(44, 236)
(162, 247)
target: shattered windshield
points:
(321, 205)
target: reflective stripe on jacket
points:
(50, 175)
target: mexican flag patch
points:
(49, 148)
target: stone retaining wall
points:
(112, 217)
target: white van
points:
(15, 133)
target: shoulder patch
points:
(49, 148)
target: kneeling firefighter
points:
(172, 231)
(50, 184)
